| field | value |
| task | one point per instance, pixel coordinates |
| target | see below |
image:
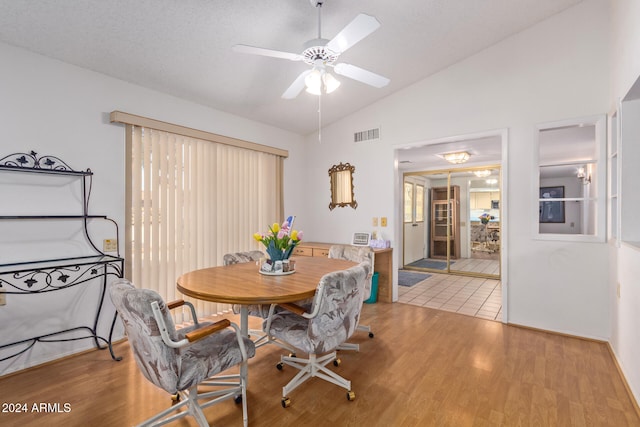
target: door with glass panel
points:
(414, 228)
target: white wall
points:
(625, 316)
(58, 109)
(555, 70)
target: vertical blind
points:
(189, 202)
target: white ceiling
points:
(183, 48)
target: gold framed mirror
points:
(341, 178)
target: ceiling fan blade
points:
(361, 26)
(296, 87)
(252, 50)
(361, 75)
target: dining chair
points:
(319, 330)
(180, 360)
(256, 310)
(356, 254)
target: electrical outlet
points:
(383, 221)
(110, 245)
(375, 221)
(3, 298)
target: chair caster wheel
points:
(238, 399)
(370, 334)
(175, 398)
(337, 362)
(279, 366)
(351, 395)
(286, 402)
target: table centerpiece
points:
(279, 243)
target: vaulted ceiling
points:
(184, 48)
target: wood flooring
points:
(424, 367)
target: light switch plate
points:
(110, 245)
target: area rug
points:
(410, 278)
(429, 263)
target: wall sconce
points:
(583, 176)
(456, 158)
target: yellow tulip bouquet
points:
(279, 241)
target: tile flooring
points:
(485, 266)
(471, 296)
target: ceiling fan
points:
(322, 53)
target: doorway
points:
(454, 258)
(453, 204)
(459, 231)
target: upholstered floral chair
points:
(329, 322)
(356, 254)
(178, 360)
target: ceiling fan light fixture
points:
(313, 81)
(318, 80)
(457, 158)
(330, 82)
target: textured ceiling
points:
(183, 48)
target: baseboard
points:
(562, 334)
(57, 359)
(634, 402)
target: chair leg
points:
(194, 408)
(235, 385)
(352, 346)
(313, 367)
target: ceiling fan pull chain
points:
(320, 118)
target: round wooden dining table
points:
(244, 284)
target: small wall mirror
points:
(341, 177)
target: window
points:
(613, 178)
(193, 196)
(408, 202)
(413, 202)
(570, 188)
(419, 203)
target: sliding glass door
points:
(462, 217)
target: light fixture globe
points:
(482, 174)
(319, 80)
(457, 158)
(313, 81)
(330, 82)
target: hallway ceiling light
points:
(457, 158)
(482, 174)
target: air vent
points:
(367, 135)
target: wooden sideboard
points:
(383, 264)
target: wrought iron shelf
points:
(30, 277)
(53, 217)
(10, 168)
(30, 162)
(53, 273)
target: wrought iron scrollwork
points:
(32, 161)
(56, 278)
